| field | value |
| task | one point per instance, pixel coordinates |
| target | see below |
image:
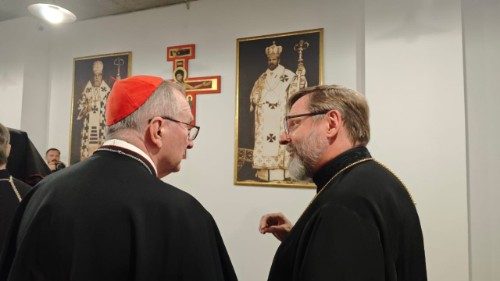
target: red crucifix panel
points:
(180, 56)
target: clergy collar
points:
(325, 173)
(116, 143)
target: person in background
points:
(25, 162)
(53, 159)
(12, 190)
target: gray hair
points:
(161, 102)
(4, 141)
(351, 104)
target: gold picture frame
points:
(261, 94)
(93, 78)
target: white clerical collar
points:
(131, 147)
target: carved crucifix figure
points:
(180, 56)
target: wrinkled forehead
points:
(300, 106)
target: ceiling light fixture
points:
(52, 13)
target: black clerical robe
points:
(109, 218)
(362, 225)
(25, 163)
(9, 201)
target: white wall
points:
(414, 84)
(482, 42)
(409, 53)
(24, 78)
(11, 93)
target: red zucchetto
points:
(128, 95)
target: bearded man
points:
(362, 224)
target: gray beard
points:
(304, 157)
(297, 169)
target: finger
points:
(272, 219)
(274, 229)
(283, 218)
(263, 222)
(277, 228)
(264, 230)
(265, 219)
(274, 216)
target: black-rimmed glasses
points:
(192, 129)
(290, 122)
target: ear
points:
(334, 121)
(7, 149)
(155, 131)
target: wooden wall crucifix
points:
(180, 56)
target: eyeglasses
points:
(192, 129)
(291, 122)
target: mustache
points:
(290, 149)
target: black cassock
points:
(9, 201)
(108, 218)
(363, 225)
(25, 163)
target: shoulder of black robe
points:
(362, 226)
(9, 202)
(108, 218)
(25, 162)
(22, 187)
(9, 249)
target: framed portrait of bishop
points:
(93, 78)
(271, 68)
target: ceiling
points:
(84, 9)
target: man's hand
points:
(52, 165)
(275, 223)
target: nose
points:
(190, 144)
(284, 138)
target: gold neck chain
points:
(338, 173)
(11, 181)
(358, 162)
(390, 171)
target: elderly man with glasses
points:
(110, 217)
(362, 224)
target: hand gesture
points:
(52, 166)
(275, 223)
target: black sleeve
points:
(341, 246)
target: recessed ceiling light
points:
(52, 13)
